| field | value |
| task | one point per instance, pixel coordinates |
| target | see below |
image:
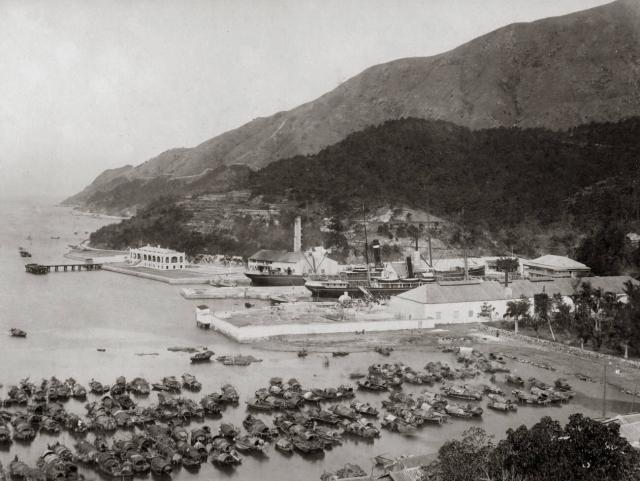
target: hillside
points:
(555, 73)
(526, 190)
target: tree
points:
(584, 450)
(518, 310)
(466, 459)
(561, 315)
(542, 312)
(507, 265)
(605, 251)
(625, 327)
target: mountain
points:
(554, 73)
(528, 190)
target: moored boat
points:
(15, 332)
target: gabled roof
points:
(563, 286)
(453, 292)
(558, 263)
(480, 291)
(277, 256)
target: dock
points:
(41, 269)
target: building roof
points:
(615, 284)
(277, 256)
(455, 292)
(157, 250)
(629, 427)
(454, 263)
(527, 288)
(557, 263)
(480, 291)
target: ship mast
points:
(366, 246)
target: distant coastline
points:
(76, 211)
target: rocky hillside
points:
(554, 73)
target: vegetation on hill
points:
(553, 73)
(521, 190)
(494, 180)
(164, 222)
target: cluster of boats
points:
(40, 408)
(381, 377)
(305, 420)
(291, 395)
(540, 393)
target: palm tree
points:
(518, 309)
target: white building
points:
(157, 258)
(456, 302)
(554, 266)
(313, 261)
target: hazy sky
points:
(88, 85)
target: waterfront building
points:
(454, 302)
(555, 267)
(313, 261)
(157, 258)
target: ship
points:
(282, 268)
(358, 288)
(23, 252)
(275, 278)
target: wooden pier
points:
(46, 268)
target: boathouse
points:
(157, 258)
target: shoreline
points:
(84, 213)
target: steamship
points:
(382, 280)
(379, 280)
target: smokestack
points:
(409, 267)
(297, 235)
(375, 245)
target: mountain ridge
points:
(555, 73)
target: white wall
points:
(457, 313)
(252, 333)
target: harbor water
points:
(69, 316)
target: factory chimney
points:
(377, 258)
(297, 235)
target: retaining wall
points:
(254, 333)
(156, 277)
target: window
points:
(438, 315)
(470, 313)
(456, 314)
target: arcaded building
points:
(157, 258)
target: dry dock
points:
(308, 318)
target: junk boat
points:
(204, 356)
(24, 252)
(15, 332)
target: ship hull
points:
(276, 280)
(335, 292)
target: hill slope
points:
(554, 73)
(523, 189)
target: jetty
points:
(41, 269)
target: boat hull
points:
(276, 280)
(335, 292)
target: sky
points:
(87, 85)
